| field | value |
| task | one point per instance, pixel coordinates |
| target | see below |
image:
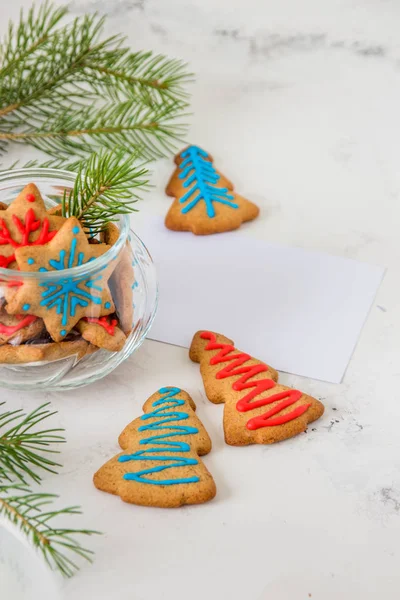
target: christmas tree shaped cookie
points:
(257, 409)
(25, 222)
(160, 465)
(204, 202)
(61, 301)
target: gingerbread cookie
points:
(25, 222)
(18, 329)
(61, 301)
(160, 465)
(55, 210)
(247, 386)
(122, 281)
(204, 202)
(102, 332)
(32, 353)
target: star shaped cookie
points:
(25, 222)
(61, 301)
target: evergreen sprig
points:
(66, 91)
(20, 444)
(30, 33)
(21, 448)
(153, 78)
(30, 513)
(128, 125)
(104, 188)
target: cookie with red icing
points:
(17, 329)
(79, 309)
(102, 332)
(205, 201)
(160, 464)
(257, 409)
(25, 222)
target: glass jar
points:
(41, 363)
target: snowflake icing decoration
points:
(68, 293)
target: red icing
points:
(6, 260)
(237, 367)
(30, 225)
(108, 324)
(30, 197)
(11, 329)
(11, 284)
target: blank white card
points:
(300, 311)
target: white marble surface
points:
(299, 101)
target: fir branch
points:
(52, 163)
(29, 35)
(126, 125)
(104, 189)
(153, 78)
(53, 78)
(30, 513)
(64, 90)
(20, 442)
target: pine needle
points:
(22, 444)
(31, 514)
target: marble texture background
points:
(299, 103)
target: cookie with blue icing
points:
(160, 464)
(205, 201)
(62, 297)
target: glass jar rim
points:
(16, 175)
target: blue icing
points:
(107, 305)
(75, 230)
(63, 332)
(162, 442)
(68, 293)
(30, 261)
(26, 307)
(201, 178)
